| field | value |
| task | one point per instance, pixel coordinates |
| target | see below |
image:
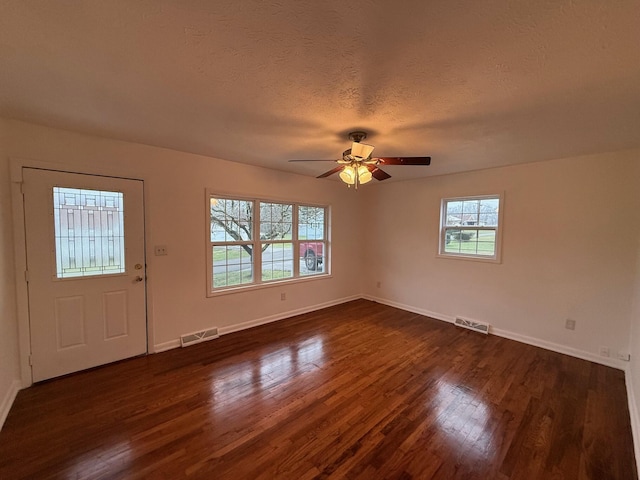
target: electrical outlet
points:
(623, 356)
(160, 250)
(570, 324)
(283, 296)
(604, 351)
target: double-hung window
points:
(254, 242)
(470, 227)
(276, 235)
(232, 241)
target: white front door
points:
(86, 270)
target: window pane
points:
(277, 261)
(89, 232)
(470, 211)
(231, 220)
(452, 241)
(232, 265)
(276, 221)
(312, 258)
(489, 212)
(453, 211)
(470, 207)
(311, 223)
(487, 242)
(470, 242)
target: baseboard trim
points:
(536, 342)
(556, 347)
(633, 414)
(7, 401)
(163, 347)
(410, 308)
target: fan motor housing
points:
(357, 136)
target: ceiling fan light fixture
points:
(361, 150)
(357, 167)
(348, 175)
(364, 175)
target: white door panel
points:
(85, 260)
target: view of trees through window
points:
(282, 229)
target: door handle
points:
(139, 278)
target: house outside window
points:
(253, 242)
(470, 227)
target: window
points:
(253, 242)
(232, 241)
(276, 234)
(311, 239)
(470, 227)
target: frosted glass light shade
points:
(364, 175)
(348, 175)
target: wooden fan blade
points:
(378, 173)
(312, 160)
(331, 172)
(405, 160)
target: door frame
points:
(16, 166)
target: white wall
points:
(569, 243)
(175, 184)
(8, 326)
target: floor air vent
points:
(198, 337)
(472, 325)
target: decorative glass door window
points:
(89, 232)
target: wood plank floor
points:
(356, 391)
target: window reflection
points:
(464, 418)
(240, 380)
(86, 462)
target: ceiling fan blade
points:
(331, 172)
(378, 173)
(405, 160)
(312, 160)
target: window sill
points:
(472, 258)
(259, 286)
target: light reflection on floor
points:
(463, 418)
(268, 372)
(91, 464)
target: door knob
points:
(139, 278)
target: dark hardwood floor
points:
(356, 391)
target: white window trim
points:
(258, 283)
(497, 257)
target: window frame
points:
(256, 243)
(497, 256)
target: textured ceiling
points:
(473, 84)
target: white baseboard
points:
(633, 413)
(556, 347)
(162, 347)
(8, 400)
(536, 342)
(410, 308)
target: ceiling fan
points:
(357, 166)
